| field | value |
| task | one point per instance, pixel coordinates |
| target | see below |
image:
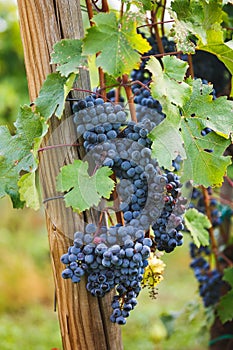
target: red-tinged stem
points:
(152, 24)
(102, 83)
(117, 95)
(130, 96)
(163, 15)
(110, 218)
(230, 182)
(213, 241)
(139, 83)
(46, 148)
(105, 7)
(52, 198)
(90, 11)
(157, 36)
(82, 90)
(190, 70)
(122, 9)
(226, 259)
(116, 201)
(163, 54)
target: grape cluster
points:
(110, 257)
(198, 202)
(148, 196)
(210, 281)
(129, 155)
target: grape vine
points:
(154, 126)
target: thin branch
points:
(52, 198)
(230, 182)
(102, 83)
(89, 11)
(213, 241)
(190, 70)
(163, 15)
(163, 54)
(130, 96)
(152, 24)
(46, 148)
(157, 36)
(116, 201)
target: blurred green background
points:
(175, 320)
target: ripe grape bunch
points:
(148, 197)
(210, 280)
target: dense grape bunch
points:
(112, 257)
(209, 280)
(149, 197)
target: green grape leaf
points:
(8, 180)
(17, 152)
(68, 55)
(199, 17)
(51, 99)
(198, 225)
(28, 191)
(120, 50)
(205, 163)
(225, 306)
(214, 114)
(146, 5)
(83, 190)
(168, 86)
(223, 51)
(167, 143)
(181, 132)
(181, 36)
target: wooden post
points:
(84, 320)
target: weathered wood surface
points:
(84, 320)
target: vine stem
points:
(129, 95)
(191, 69)
(230, 182)
(226, 259)
(46, 148)
(213, 241)
(152, 24)
(116, 201)
(89, 11)
(163, 54)
(163, 15)
(157, 36)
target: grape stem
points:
(230, 182)
(163, 54)
(190, 70)
(163, 15)
(156, 32)
(213, 241)
(129, 95)
(46, 148)
(52, 198)
(152, 24)
(116, 201)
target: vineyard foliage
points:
(118, 44)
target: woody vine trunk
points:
(84, 320)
